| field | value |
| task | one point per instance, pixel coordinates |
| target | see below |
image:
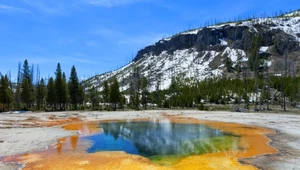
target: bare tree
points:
(37, 74)
(18, 90)
(285, 75)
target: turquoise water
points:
(151, 139)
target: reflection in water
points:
(59, 145)
(74, 140)
(159, 138)
(153, 138)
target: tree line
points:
(261, 92)
(57, 93)
(109, 98)
(190, 93)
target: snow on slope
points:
(190, 63)
(295, 13)
(97, 80)
(290, 25)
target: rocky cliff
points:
(202, 53)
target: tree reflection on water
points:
(159, 138)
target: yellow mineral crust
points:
(253, 142)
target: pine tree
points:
(65, 93)
(18, 87)
(80, 95)
(27, 95)
(136, 101)
(145, 92)
(131, 95)
(2, 96)
(173, 91)
(8, 91)
(51, 94)
(228, 64)
(40, 94)
(93, 97)
(59, 87)
(134, 89)
(73, 87)
(254, 60)
(122, 101)
(26, 73)
(105, 92)
(115, 95)
(6, 96)
(157, 93)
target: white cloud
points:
(65, 6)
(10, 9)
(76, 58)
(110, 3)
(51, 7)
(54, 58)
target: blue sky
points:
(101, 35)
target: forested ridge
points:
(251, 64)
(250, 86)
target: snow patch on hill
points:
(195, 31)
(161, 68)
(292, 14)
(190, 63)
(289, 25)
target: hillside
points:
(205, 52)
